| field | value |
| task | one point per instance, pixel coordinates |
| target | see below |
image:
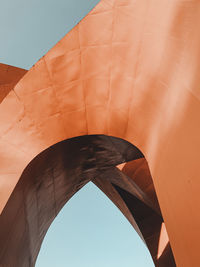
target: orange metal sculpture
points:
(9, 76)
(129, 69)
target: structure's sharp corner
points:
(9, 77)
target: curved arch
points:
(91, 231)
(149, 98)
(56, 174)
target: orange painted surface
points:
(129, 69)
(9, 76)
(163, 241)
(138, 171)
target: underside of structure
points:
(115, 102)
(56, 174)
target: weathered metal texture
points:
(129, 69)
(54, 176)
(9, 76)
(47, 183)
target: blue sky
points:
(89, 231)
(29, 28)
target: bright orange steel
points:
(129, 69)
(9, 76)
(163, 241)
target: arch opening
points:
(91, 231)
(57, 173)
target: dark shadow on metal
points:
(57, 173)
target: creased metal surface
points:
(53, 177)
(9, 76)
(129, 69)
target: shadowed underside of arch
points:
(129, 69)
(55, 175)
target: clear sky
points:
(89, 231)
